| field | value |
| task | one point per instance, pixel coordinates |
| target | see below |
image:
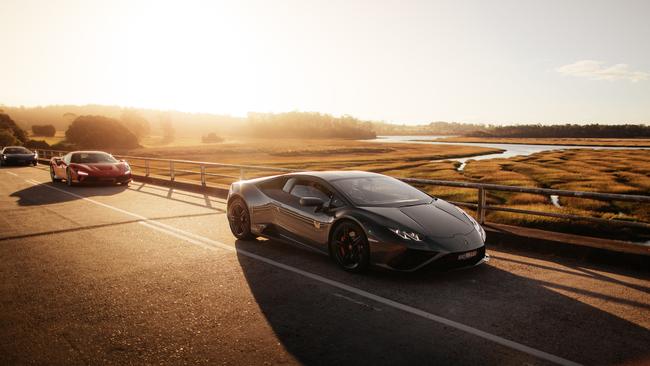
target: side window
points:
(304, 188)
(66, 158)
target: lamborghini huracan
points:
(357, 218)
(89, 167)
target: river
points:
(510, 150)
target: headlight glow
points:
(408, 235)
(81, 172)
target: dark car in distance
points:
(89, 167)
(18, 155)
(358, 218)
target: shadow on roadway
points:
(43, 194)
(179, 196)
(321, 324)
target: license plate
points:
(471, 254)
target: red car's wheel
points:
(68, 178)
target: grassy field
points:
(617, 171)
(554, 141)
(614, 171)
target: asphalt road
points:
(146, 274)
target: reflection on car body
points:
(89, 167)
(358, 218)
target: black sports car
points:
(358, 218)
(17, 155)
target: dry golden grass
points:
(554, 141)
(614, 171)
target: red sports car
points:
(89, 167)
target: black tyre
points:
(349, 247)
(239, 219)
(68, 178)
(53, 176)
(35, 163)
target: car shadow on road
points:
(323, 324)
(45, 194)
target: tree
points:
(6, 123)
(211, 138)
(7, 138)
(43, 130)
(134, 121)
(98, 132)
(37, 144)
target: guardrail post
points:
(171, 170)
(480, 210)
(203, 175)
(146, 168)
(241, 174)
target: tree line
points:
(307, 125)
(564, 131)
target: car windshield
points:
(17, 150)
(380, 191)
(90, 158)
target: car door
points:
(60, 169)
(310, 223)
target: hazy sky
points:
(399, 61)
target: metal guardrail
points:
(171, 163)
(481, 206)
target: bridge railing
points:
(199, 172)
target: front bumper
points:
(18, 161)
(409, 260)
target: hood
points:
(438, 219)
(101, 168)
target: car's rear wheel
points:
(349, 247)
(68, 178)
(239, 219)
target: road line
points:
(213, 244)
(12, 173)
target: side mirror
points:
(312, 202)
(122, 161)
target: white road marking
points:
(211, 244)
(355, 301)
(12, 173)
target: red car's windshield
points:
(90, 158)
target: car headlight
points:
(476, 225)
(127, 168)
(408, 235)
(35, 155)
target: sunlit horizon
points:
(401, 62)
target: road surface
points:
(147, 274)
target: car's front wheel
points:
(239, 219)
(349, 247)
(53, 176)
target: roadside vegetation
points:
(628, 142)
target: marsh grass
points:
(613, 171)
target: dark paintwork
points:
(17, 159)
(447, 231)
